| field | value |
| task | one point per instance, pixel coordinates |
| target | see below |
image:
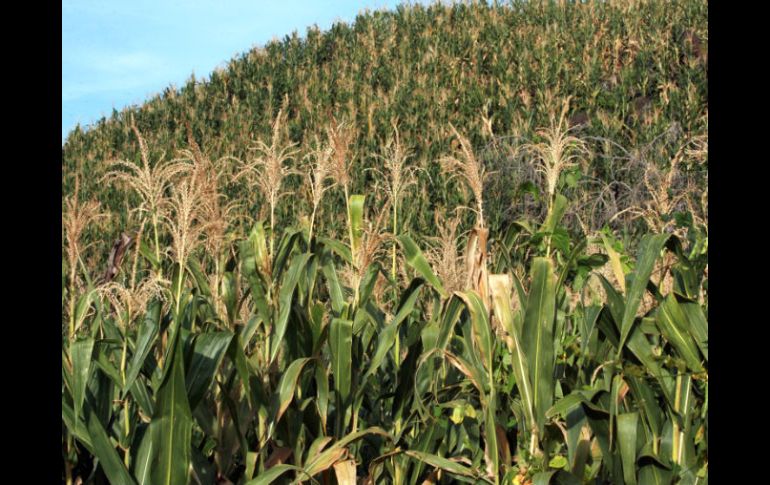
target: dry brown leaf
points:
(346, 472)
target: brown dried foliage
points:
(341, 137)
(76, 217)
(150, 183)
(444, 257)
(267, 170)
(464, 163)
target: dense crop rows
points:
(409, 293)
(636, 73)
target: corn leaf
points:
(416, 260)
(341, 342)
(537, 337)
(627, 426)
(171, 425)
(81, 352)
(285, 300)
(649, 251)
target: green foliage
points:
(542, 351)
(634, 79)
(640, 404)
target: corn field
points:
(485, 265)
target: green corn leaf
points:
(104, 450)
(576, 251)
(453, 308)
(491, 445)
(81, 352)
(149, 254)
(285, 300)
(416, 260)
(76, 427)
(341, 348)
(368, 282)
(258, 243)
(208, 352)
(322, 393)
(643, 350)
(387, 336)
(356, 215)
(578, 439)
(555, 214)
(147, 333)
(587, 325)
(204, 471)
(441, 463)
(654, 475)
(649, 251)
(500, 288)
(234, 412)
(317, 446)
(537, 337)
(555, 477)
(142, 463)
(674, 325)
(248, 330)
(614, 304)
(616, 385)
(424, 442)
(342, 250)
(482, 333)
(286, 249)
(171, 425)
(649, 410)
(269, 476)
(470, 371)
(82, 306)
(627, 426)
(102, 361)
(201, 281)
(235, 352)
(405, 389)
(697, 325)
(285, 391)
(336, 295)
(569, 401)
(543, 478)
(141, 395)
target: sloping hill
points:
(634, 72)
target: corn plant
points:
(529, 318)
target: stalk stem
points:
(126, 422)
(675, 456)
(67, 464)
(312, 221)
(272, 232)
(72, 310)
(157, 242)
(395, 233)
(397, 343)
(73, 271)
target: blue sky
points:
(117, 53)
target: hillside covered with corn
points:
(443, 243)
